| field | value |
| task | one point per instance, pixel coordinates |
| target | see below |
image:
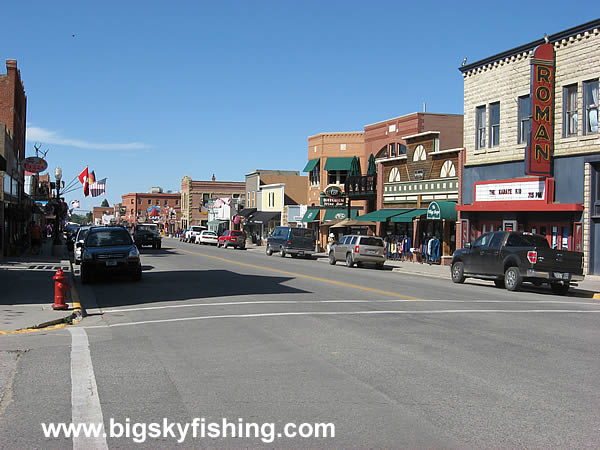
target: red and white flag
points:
(83, 175)
(98, 187)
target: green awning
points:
(311, 215)
(441, 211)
(310, 165)
(408, 216)
(382, 215)
(333, 214)
(338, 164)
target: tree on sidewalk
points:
(105, 203)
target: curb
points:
(75, 317)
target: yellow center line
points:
(308, 277)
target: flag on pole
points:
(92, 177)
(83, 175)
(75, 204)
(98, 187)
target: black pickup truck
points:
(511, 258)
(147, 234)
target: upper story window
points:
(480, 127)
(139, 201)
(149, 201)
(337, 176)
(448, 170)
(570, 110)
(524, 119)
(590, 106)
(166, 202)
(315, 175)
(420, 154)
(494, 124)
(176, 201)
(157, 202)
(394, 176)
(392, 150)
(132, 201)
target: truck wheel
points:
(560, 289)
(349, 261)
(499, 284)
(331, 258)
(294, 255)
(269, 250)
(512, 279)
(282, 252)
(458, 272)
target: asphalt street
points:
(391, 360)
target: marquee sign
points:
(538, 158)
(514, 190)
(334, 192)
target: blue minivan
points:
(293, 241)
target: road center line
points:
(86, 407)
(300, 302)
(308, 277)
(350, 313)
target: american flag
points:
(98, 187)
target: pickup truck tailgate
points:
(559, 260)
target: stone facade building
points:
(500, 190)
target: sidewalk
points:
(589, 286)
(28, 289)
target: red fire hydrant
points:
(61, 287)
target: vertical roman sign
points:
(538, 159)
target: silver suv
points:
(358, 249)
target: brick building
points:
(546, 181)
(162, 208)
(329, 161)
(15, 207)
(101, 215)
(197, 196)
(417, 169)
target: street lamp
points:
(58, 210)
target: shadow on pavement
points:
(156, 252)
(184, 285)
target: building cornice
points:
(524, 51)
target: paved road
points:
(390, 360)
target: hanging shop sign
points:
(538, 159)
(35, 164)
(433, 211)
(328, 201)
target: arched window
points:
(394, 175)
(448, 170)
(383, 152)
(420, 154)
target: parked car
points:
(147, 234)
(80, 237)
(511, 258)
(207, 237)
(358, 249)
(291, 240)
(232, 238)
(109, 250)
(192, 232)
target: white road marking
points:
(348, 313)
(297, 302)
(86, 407)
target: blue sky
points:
(144, 92)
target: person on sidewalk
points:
(36, 238)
